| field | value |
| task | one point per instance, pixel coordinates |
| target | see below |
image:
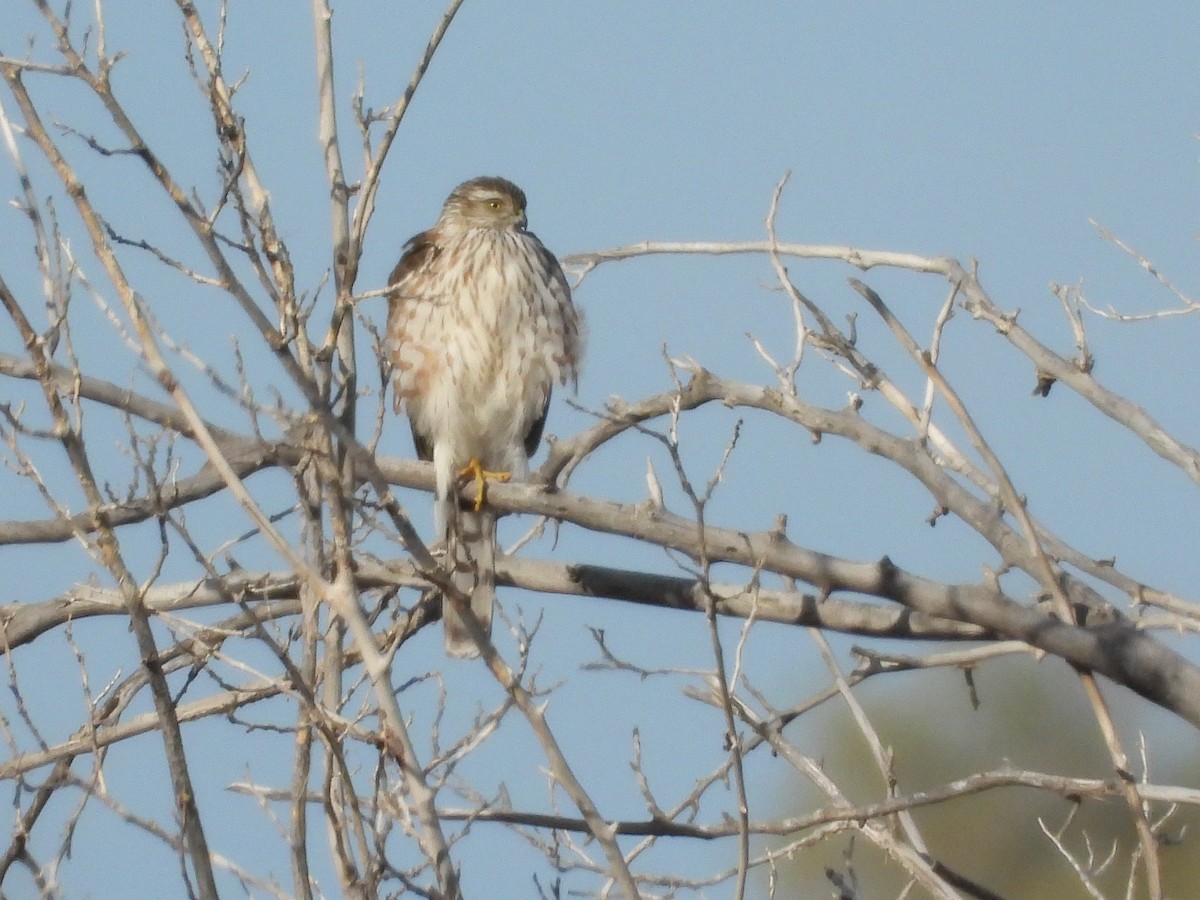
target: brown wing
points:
(418, 252)
(418, 255)
(572, 340)
(422, 443)
(533, 436)
(570, 356)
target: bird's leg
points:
(474, 471)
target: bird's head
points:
(486, 202)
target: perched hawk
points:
(480, 327)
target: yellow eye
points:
(494, 204)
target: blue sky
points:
(985, 131)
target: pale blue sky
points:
(986, 131)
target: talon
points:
(474, 471)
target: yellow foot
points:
(474, 471)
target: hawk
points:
(480, 328)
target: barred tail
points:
(473, 553)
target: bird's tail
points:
(472, 551)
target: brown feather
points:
(420, 251)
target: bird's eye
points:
(494, 204)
